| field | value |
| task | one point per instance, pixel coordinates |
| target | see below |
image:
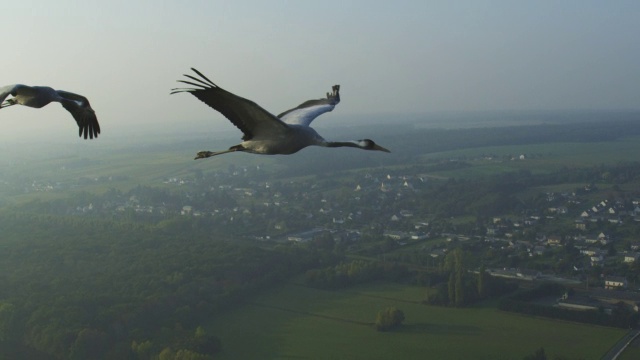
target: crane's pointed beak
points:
(380, 148)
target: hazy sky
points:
(389, 56)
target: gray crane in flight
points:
(265, 133)
(39, 96)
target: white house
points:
(395, 235)
(615, 282)
(631, 257)
(418, 236)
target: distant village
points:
(380, 205)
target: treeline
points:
(355, 272)
(86, 288)
(456, 285)
(452, 284)
(522, 302)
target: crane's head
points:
(368, 144)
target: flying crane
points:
(40, 96)
(263, 132)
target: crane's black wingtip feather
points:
(206, 85)
(89, 131)
(192, 83)
(179, 90)
(204, 77)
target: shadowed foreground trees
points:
(455, 284)
(539, 354)
(84, 288)
(389, 319)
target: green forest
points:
(89, 288)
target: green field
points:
(297, 322)
(132, 165)
(632, 352)
(543, 157)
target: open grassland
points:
(541, 157)
(121, 169)
(130, 165)
(304, 323)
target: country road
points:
(617, 349)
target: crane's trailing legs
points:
(206, 154)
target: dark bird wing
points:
(246, 115)
(306, 112)
(82, 112)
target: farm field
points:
(541, 158)
(129, 165)
(632, 352)
(304, 323)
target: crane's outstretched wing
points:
(82, 112)
(304, 113)
(246, 115)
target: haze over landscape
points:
(390, 57)
(505, 222)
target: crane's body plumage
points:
(265, 133)
(40, 96)
(289, 141)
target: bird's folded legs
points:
(203, 154)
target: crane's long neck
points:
(355, 144)
(365, 144)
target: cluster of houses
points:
(615, 213)
(374, 198)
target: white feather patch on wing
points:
(305, 116)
